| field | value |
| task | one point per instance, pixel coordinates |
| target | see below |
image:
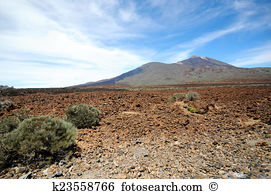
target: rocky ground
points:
(143, 135)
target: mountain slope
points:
(190, 70)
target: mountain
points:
(194, 69)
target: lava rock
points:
(26, 176)
(20, 169)
(58, 173)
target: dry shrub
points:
(39, 136)
(8, 124)
(191, 96)
(83, 116)
(177, 96)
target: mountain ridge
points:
(193, 69)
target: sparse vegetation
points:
(8, 124)
(156, 126)
(192, 110)
(177, 96)
(23, 114)
(38, 138)
(83, 116)
(191, 96)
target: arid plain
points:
(144, 135)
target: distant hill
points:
(194, 69)
(2, 87)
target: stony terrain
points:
(143, 135)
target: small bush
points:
(177, 96)
(192, 96)
(193, 110)
(39, 136)
(83, 116)
(23, 114)
(8, 124)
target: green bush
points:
(177, 96)
(83, 116)
(193, 110)
(192, 96)
(8, 124)
(23, 114)
(42, 135)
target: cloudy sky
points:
(55, 43)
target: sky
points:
(58, 43)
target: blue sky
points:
(56, 43)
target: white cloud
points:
(128, 14)
(186, 49)
(256, 56)
(185, 14)
(58, 52)
(180, 56)
(239, 5)
(204, 39)
(77, 59)
(46, 76)
(246, 9)
(91, 40)
(62, 45)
